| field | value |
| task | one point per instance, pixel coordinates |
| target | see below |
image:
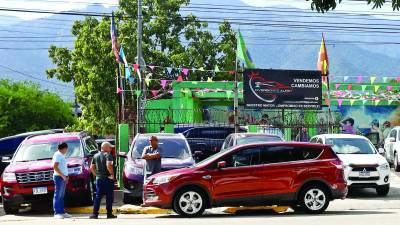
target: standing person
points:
(386, 129)
(303, 136)
(102, 168)
(60, 178)
(152, 155)
(348, 126)
(375, 129)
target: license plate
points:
(39, 190)
(364, 174)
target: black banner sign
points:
(289, 89)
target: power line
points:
(31, 76)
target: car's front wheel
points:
(314, 199)
(383, 190)
(189, 202)
(10, 208)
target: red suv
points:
(29, 177)
(305, 176)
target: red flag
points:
(114, 41)
(154, 92)
(323, 62)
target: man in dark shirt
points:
(152, 155)
(102, 169)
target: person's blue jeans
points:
(104, 186)
(59, 193)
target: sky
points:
(65, 5)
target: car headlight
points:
(164, 179)
(9, 177)
(384, 166)
(76, 170)
(134, 170)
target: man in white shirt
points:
(60, 178)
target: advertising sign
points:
(282, 89)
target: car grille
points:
(363, 178)
(150, 194)
(366, 169)
(34, 177)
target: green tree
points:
(24, 107)
(168, 39)
(326, 5)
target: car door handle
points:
(207, 177)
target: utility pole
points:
(236, 98)
(142, 85)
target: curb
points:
(126, 209)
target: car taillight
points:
(338, 164)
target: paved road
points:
(362, 207)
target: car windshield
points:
(170, 147)
(41, 151)
(351, 146)
(258, 138)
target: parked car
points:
(176, 154)
(302, 175)
(364, 167)
(206, 141)
(8, 145)
(392, 148)
(28, 179)
(265, 129)
(246, 138)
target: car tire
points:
(9, 208)
(396, 162)
(314, 199)
(383, 190)
(190, 202)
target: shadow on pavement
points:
(273, 214)
(370, 194)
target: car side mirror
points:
(123, 155)
(381, 150)
(93, 152)
(6, 159)
(221, 165)
(392, 139)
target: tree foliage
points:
(24, 107)
(326, 5)
(169, 39)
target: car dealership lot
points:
(364, 204)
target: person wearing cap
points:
(152, 155)
(102, 168)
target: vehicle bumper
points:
(133, 188)
(158, 195)
(339, 191)
(377, 178)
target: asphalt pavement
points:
(361, 207)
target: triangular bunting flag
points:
(154, 92)
(209, 79)
(327, 101)
(171, 92)
(206, 90)
(231, 72)
(373, 78)
(180, 78)
(131, 80)
(138, 92)
(363, 87)
(135, 67)
(201, 68)
(389, 88)
(147, 80)
(365, 101)
(398, 79)
(337, 86)
(390, 102)
(377, 102)
(352, 102)
(163, 83)
(185, 71)
(359, 79)
(152, 67)
(169, 70)
(377, 88)
(228, 93)
(119, 90)
(127, 72)
(349, 87)
(340, 102)
(216, 69)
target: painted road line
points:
(126, 209)
(277, 209)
